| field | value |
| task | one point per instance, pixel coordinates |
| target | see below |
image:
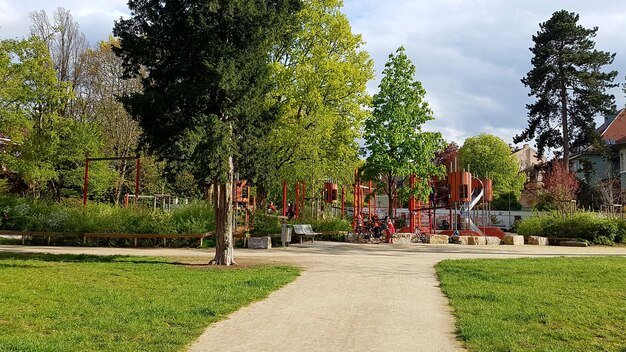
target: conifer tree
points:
(568, 84)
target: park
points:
(254, 176)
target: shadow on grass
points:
(81, 258)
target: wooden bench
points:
(304, 231)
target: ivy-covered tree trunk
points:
(223, 203)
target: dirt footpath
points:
(350, 297)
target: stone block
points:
(514, 240)
(263, 242)
(492, 241)
(437, 239)
(350, 237)
(573, 244)
(476, 240)
(538, 241)
(460, 239)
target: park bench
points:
(304, 231)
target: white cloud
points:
(469, 55)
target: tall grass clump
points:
(22, 214)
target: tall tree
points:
(205, 84)
(320, 73)
(393, 135)
(65, 42)
(488, 156)
(46, 150)
(569, 85)
(103, 83)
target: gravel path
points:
(349, 298)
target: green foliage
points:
(47, 150)
(537, 304)
(488, 156)
(265, 224)
(588, 226)
(569, 86)
(393, 135)
(117, 303)
(37, 215)
(320, 73)
(328, 224)
(204, 70)
(504, 201)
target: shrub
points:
(35, 215)
(265, 224)
(588, 226)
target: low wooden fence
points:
(85, 236)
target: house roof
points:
(614, 132)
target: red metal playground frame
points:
(87, 160)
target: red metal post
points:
(412, 206)
(137, 180)
(284, 198)
(369, 199)
(86, 181)
(302, 197)
(297, 199)
(373, 193)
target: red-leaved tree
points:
(560, 187)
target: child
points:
(390, 230)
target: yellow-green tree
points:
(488, 156)
(320, 72)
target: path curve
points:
(349, 298)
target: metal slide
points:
(465, 209)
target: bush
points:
(588, 226)
(505, 200)
(35, 215)
(265, 224)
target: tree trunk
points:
(565, 126)
(223, 203)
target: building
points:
(530, 163)
(606, 172)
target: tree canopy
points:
(320, 73)
(394, 140)
(46, 149)
(488, 156)
(569, 86)
(204, 66)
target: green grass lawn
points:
(547, 304)
(91, 303)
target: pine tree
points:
(569, 86)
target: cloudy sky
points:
(470, 55)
